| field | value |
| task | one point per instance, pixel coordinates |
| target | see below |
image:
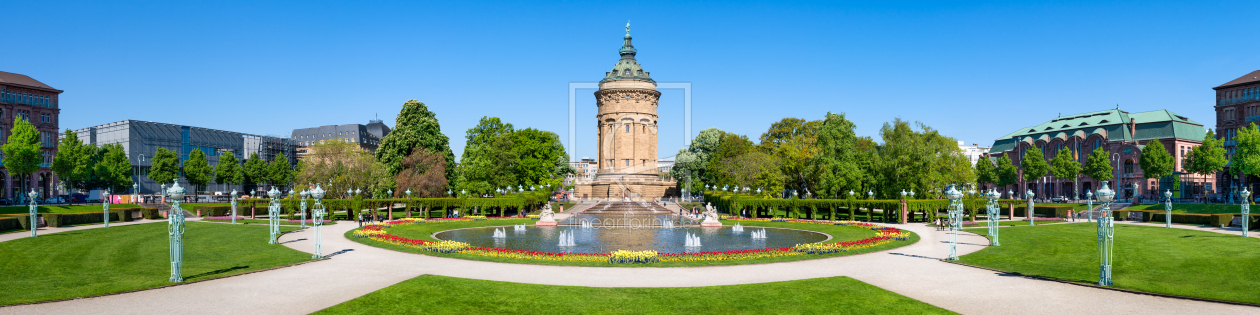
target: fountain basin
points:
(608, 239)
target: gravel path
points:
(355, 269)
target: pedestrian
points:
(360, 219)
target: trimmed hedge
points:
(1045, 211)
(9, 223)
(65, 219)
(151, 213)
(1187, 218)
(214, 211)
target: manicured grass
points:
(100, 261)
(1075, 206)
(265, 222)
(424, 231)
(1007, 223)
(1190, 208)
(445, 295)
(1152, 259)
(64, 209)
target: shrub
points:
(1221, 219)
(1186, 218)
(151, 213)
(1120, 215)
(9, 223)
(65, 219)
(213, 211)
(1045, 211)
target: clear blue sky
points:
(974, 70)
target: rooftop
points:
(1110, 124)
(23, 80)
(1252, 77)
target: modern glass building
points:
(141, 139)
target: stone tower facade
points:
(627, 100)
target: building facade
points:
(1237, 106)
(141, 139)
(1123, 136)
(973, 152)
(368, 137)
(23, 96)
(584, 170)
(626, 122)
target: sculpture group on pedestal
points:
(546, 217)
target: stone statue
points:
(547, 215)
(710, 213)
(627, 27)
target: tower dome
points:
(627, 68)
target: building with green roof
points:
(1121, 134)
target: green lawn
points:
(1190, 208)
(983, 223)
(445, 295)
(1152, 259)
(1075, 206)
(100, 261)
(839, 234)
(64, 209)
(264, 222)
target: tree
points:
(1097, 165)
(424, 173)
(1007, 173)
(1064, 165)
(1206, 159)
(730, 146)
(922, 160)
(1246, 159)
(255, 170)
(341, 165)
(114, 169)
(22, 151)
(416, 128)
(1155, 161)
(541, 158)
(197, 170)
(488, 166)
(837, 157)
(793, 141)
(280, 172)
(228, 171)
(72, 163)
(1033, 164)
(985, 172)
(164, 166)
(757, 170)
(692, 162)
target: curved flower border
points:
(376, 232)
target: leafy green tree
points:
(1246, 159)
(1206, 159)
(197, 170)
(731, 145)
(228, 171)
(1097, 166)
(164, 166)
(114, 169)
(985, 172)
(1007, 173)
(541, 158)
(755, 169)
(1064, 166)
(489, 161)
(837, 157)
(1155, 161)
(922, 160)
(280, 171)
(73, 162)
(693, 161)
(416, 128)
(1034, 164)
(22, 151)
(793, 141)
(255, 171)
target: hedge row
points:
(9, 223)
(291, 206)
(1044, 211)
(66, 219)
(732, 203)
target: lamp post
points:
(318, 210)
(105, 205)
(34, 207)
(175, 230)
(993, 215)
(955, 220)
(1246, 210)
(136, 184)
(1168, 208)
(273, 212)
(870, 214)
(1089, 205)
(1030, 195)
(1135, 194)
(1106, 234)
(135, 193)
(234, 206)
(305, 193)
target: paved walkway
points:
(354, 270)
(47, 230)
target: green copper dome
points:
(627, 68)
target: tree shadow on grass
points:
(338, 252)
(915, 256)
(300, 239)
(220, 271)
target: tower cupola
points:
(627, 68)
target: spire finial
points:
(627, 27)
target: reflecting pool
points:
(605, 239)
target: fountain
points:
(498, 233)
(667, 224)
(692, 240)
(586, 224)
(737, 228)
(519, 227)
(759, 235)
(566, 239)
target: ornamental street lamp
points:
(1106, 234)
(34, 207)
(955, 220)
(349, 193)
(1089, 205)
(305, 193)
(994, 214)
(358, 191)
(175, 230)
(1168, 208)
(105, 205)
(234, 206)
(1246, 210)
(319, 211)
(903, 194)
(135, 193)
(408, 192)
(1135, 192)
(1030, 194)
(912, 193)
(273, 212)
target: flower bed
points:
(376, 232)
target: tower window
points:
(627, 128)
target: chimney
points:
(1133, 128)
